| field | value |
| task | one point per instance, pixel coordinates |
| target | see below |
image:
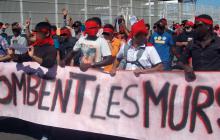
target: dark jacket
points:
(66, 47)
(46, 52)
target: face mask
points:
(16, 32)
(188, 29)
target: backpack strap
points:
(139, 55)
(126, 48)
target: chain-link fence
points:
(108, 10)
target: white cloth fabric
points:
(19, 44)
(93, 51)
(148, 59)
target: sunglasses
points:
(76, 26)
(187, 27)
(199, 24)
(107, 34)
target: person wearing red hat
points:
(184, 39)
(135, 55)
(204, 50)
(163, 42)
(114, 43)
(67, 43)
(95, 50)
(42, 51)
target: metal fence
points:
(108, 10)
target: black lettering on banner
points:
(95, 103)
(162, 97)
(8, 98)
(82, 79)
(32, 89)
(217, 97)
(64, 99)
(110, 102)
(20, 84)
(197, 109)
(43, 93)
(127, 97)
(183, 122)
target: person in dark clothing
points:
(205, 49)
(184, 39)
(42, 51)
(67, 42)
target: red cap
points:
(138, 27)
(189, 23)
(108, 30)
(177, 26)
(65, 31)
(204, 20)
(91, 24)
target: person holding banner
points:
(137, 56)
(42, 51)
(95, 50)
(114, 43)
(205, 49)
(163, 42)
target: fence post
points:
(149, 5)
(110, 11)
(56, 13)
(21, 12)
(85, 12)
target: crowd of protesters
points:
(189, 46)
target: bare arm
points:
(158, 67)
(5, 58)
(181, 44)
(114, 68)
(107, 60)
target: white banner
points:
(153, 106)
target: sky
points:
(212, 12)
(209, 2)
